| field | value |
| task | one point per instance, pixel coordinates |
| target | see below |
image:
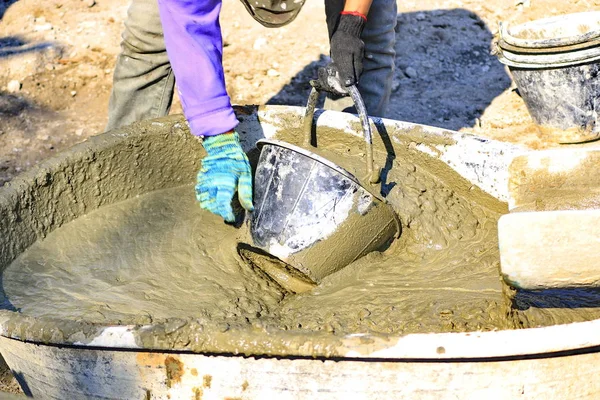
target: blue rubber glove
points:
(224, 171)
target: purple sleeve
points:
(195, 49)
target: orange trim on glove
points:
(354, 13)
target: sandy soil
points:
(57, 56)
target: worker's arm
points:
(347, 48)
(360, 6)
(195, 48)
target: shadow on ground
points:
(445, 75)
(15, 109)
(557, 298)
(19, 115)
(20, 121)
(15, 45)
(4, 4)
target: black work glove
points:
(347, 48)
(329, 81)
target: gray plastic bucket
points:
(555, 64)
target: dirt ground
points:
(57, 58)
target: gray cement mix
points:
(156, 260)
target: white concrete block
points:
(550, 249)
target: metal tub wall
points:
(115, 363)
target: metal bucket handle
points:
(313, 97)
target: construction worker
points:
(168, 40)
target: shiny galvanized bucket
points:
(312, 214)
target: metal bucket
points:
(312, 214)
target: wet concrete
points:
(136, 262)
(159, 256)
(159, 262)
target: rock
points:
(420, 16)
(89, 3)
(42, 27)
(73, 93)
(272, 72)
(259, 43)
(88, 25)
(13, 86)
(411, 72)
(523, 3)
(396, 83)
(89, 70)
(79, 132)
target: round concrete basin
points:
(175, 359)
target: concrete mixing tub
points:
(75, 359)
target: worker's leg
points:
(375, 84)
(143, 81)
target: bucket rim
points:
(505, 46)
(548, 60)
(280, 143)
(509, 33)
